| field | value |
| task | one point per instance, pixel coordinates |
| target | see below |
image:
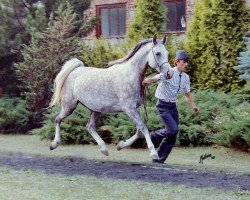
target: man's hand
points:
(196, 110)
(190, 100)
(169, 74)
(144, 83)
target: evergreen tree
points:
(45, 55)
(18, 20)
(214, 41)
(147, 21)
(244, 61)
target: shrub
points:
(214, 42)
(234, 128)
(120, 126)
(72, 128)
(224, 120)
(99, 52)
(147, 21)
(244, 61)
(14, 116)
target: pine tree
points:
(19, 17)
(16, 18)
(147, 21)
(19, 20)
(244, 61)
(214, 41)
(44, 57)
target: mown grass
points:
(37, 185)
(225, 159)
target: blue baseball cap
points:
(182, 55)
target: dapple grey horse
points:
(114, 89)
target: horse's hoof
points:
(53, 145)
(120, 146)
(154, 156)
(105, 152)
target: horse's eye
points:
(158, 53)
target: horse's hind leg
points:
(66, 110)
(91, 127)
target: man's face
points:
(182, 65)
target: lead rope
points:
(144, 93)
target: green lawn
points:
(225, 159)
(37, 185)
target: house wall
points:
(130, 7)
(189, 10)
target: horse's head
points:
(158, 55)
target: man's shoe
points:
(157, 161)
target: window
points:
(176, 19)
(112, 20)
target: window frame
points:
(98, 13)
(185, 11)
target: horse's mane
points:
(131, 53)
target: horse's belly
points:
(100, 103)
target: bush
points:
(224, 120)
(234, 128)
(120, 126)
(147, 21)
(14, 117)
(99, 52)
(244, 61)
(72, 128)
(214, 42)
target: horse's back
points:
(93, 87)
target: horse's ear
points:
(164, 39)
(154, 39)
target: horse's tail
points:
(67, 68)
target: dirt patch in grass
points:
(150, 173)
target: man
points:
(169, 87)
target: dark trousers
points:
(164, 139)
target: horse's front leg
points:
(91, 127)
(135, 116)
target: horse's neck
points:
(139, 60)
(138, 65)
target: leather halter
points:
(159, 66)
